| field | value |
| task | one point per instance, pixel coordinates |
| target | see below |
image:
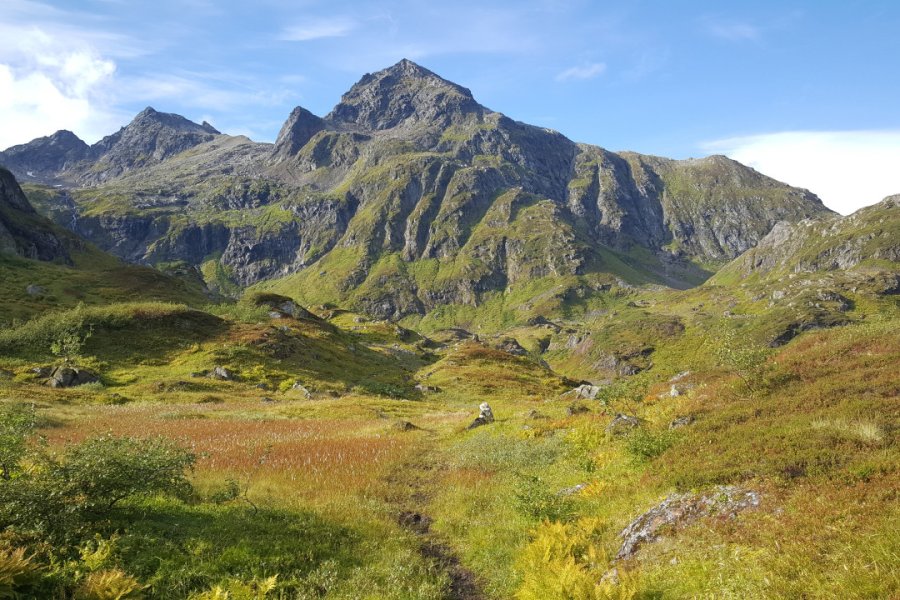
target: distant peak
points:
(299, 128)
(404, 91)
(172, 120)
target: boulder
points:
(299, 387)
(681, 421)
(405, 426)
(35, 291)
(586, 391)
(427, 389)
(511, 346)
(281, 307)
(63, 377)
(485, 416)
(222, 374)
(622, 423)
(571, 491)
(680, 510)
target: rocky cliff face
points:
(410, 195)
(869, 236)
(22, 231)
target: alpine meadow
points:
(418, 349)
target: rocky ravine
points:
(409, 195)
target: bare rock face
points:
(409, 166)
(22, 231)
(404, 94)
(300, 127)
(150, 138)
(45, 158)
(680, 510)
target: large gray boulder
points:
(680, 510)
(65, 376)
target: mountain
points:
(44, 159)
(22, 231)
(150, 138)
(43, 266)
(410, 196)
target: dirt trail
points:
(410, 481)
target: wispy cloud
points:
(731, 30)
(316, 29)
(582, 72)
(847, 169)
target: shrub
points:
(535, 500)
(646, 445)
(16, 426)
(105, 470)
(744, 358)
(60, 497)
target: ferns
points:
(565, 561)
(18, 574)
(110, 584)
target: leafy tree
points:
(69, 339)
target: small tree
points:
(71, 337)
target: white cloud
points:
(586, 71)
(46, 85)
(315, 29)
(846, 169)
(731, 30)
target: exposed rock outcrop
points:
(22, 231)
(680, 510)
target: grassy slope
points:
(815, 433)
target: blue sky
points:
(804, 91)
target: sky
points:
(806, 92)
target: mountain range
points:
(408, 196)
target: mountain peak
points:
(150, 116)
(404, 93)
(299, 128)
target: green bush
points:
(536, 501)
(646, 445)
(60, 498)
(16, 426)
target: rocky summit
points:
(408, 196)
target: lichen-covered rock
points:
(622, 424)
(485, 416)
(222, 374)
(679, 510)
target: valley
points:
(281, 351)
